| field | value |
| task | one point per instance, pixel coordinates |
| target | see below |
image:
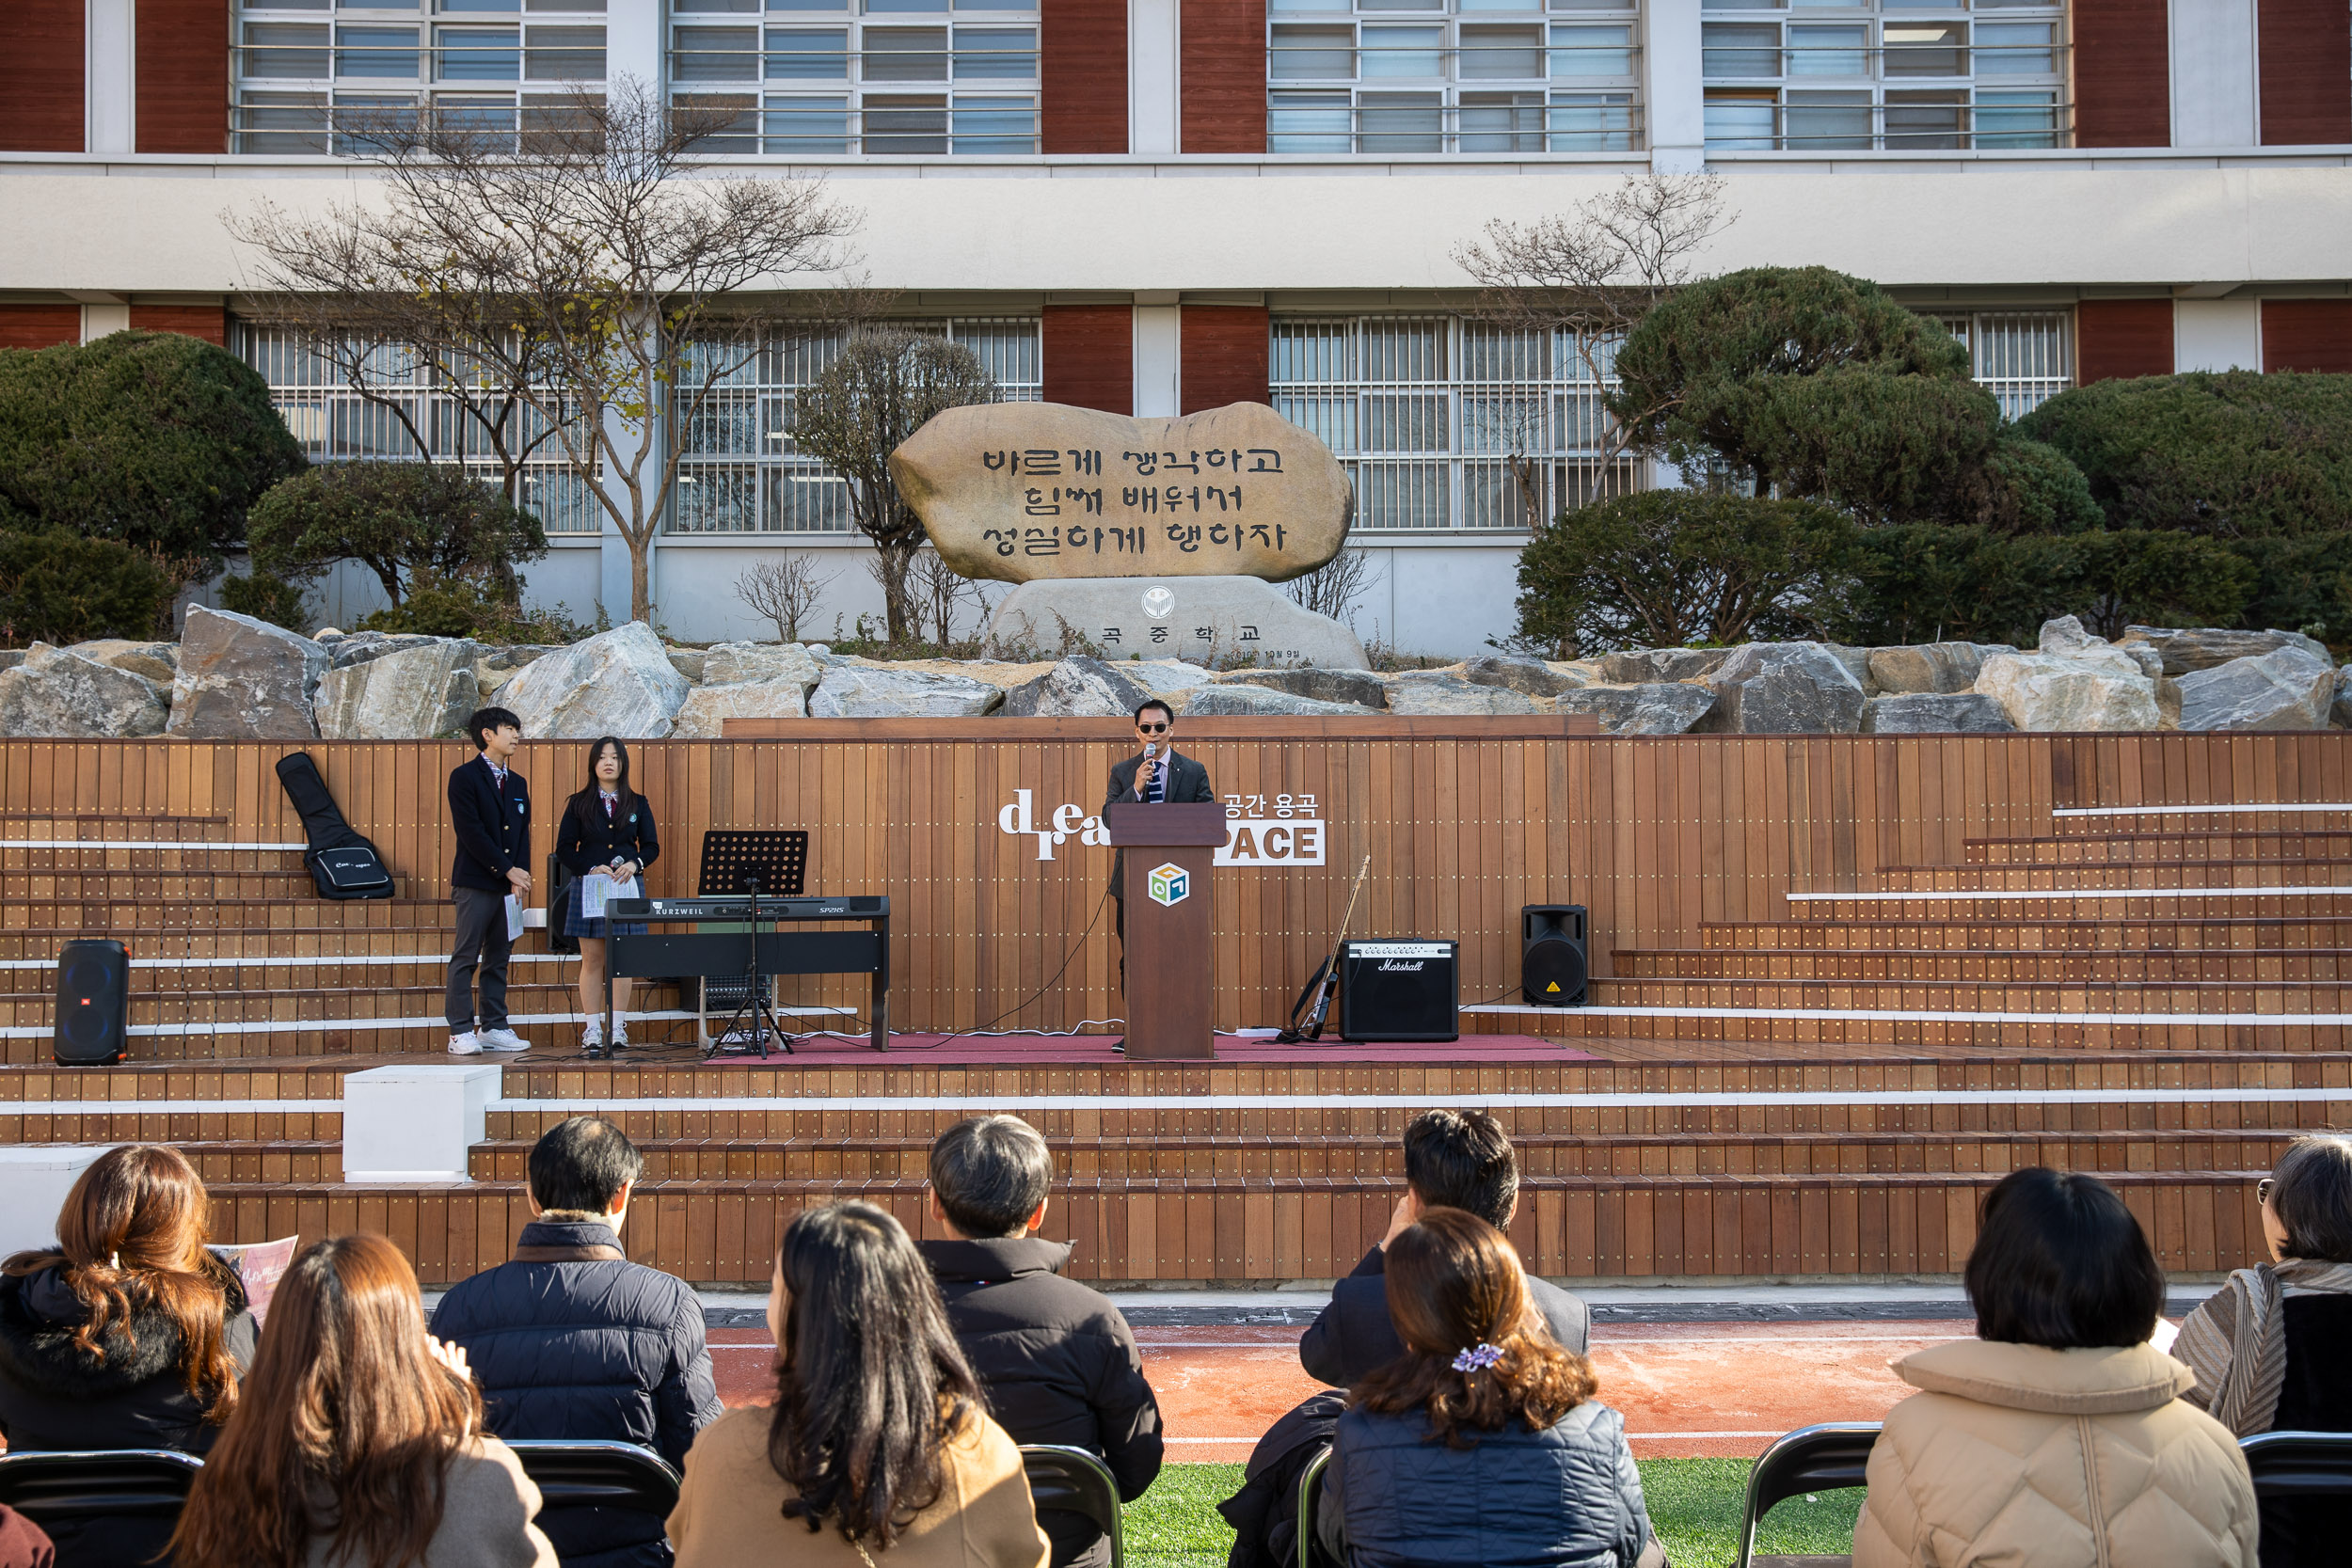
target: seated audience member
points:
(571, 1340)
(23, 1543)
(1055, 1359)
(1453, 1159)
(2056, 1438)
(2273, 1350)
(358, 1442)
(1482, 1444)
(129, 1334)
(877, 1449)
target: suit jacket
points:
(493, 827)
(1354, 1336)
(586, 839)
(1187, 781)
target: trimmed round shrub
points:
(57, 587)
(406, 522)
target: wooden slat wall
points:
(1464, 821)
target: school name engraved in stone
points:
(1023, 492)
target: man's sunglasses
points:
(1153, 729)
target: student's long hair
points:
(871, 1383)
(131, 1241)
(1455, 1286)
(584, 800)
(345, 1405)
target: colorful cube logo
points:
(1169, 884)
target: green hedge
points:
(58, 587)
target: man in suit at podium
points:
(1157, 774)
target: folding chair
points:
(2300, 1464)
(1072, 1480)
(1310, 1504)
(77, 1485)
(1811, 1459)
(578, 1476)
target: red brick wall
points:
(2305, 58)
(2123, 337)
(1083, 69)
(183, 76)
(2308, 335)
(42, 52)
(208, 322)
(40, 326)
(1090, 356)
(1223, 355)
(2124, 73)
(1223, 81)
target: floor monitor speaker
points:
(1554, 964)
(1400, 991)
(94, 1004)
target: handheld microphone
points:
(1151, 749)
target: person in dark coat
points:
(1453, 1159)
(1483, 1444)
(572, 1340)
(607, 831)
(489, 811)
(129, 1334)
(1057, 1360)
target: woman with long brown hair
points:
(358, 1443)
(128, 1334)
(879, 1446)
(1482, 1444)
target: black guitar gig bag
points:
(342, 861)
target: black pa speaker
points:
(1553, 965)
(1400, 991)
(94, 1004)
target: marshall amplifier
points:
(1400, 991)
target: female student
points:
(607, 831)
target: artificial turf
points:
(1694, 1503)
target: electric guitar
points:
(1314, 1003)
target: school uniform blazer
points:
(586, 839)
(493, 827)
(1187, 781)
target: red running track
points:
(1687, 1390)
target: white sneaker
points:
(620, 1032)
(592, 1037)
(503, 1039)
(467, 1045)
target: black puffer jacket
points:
(1354, 1336)
(1058, 1363)
(53, 1394)
(573, 1340)
(1566, 1497)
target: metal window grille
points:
(741, 473)
(335, 423)
(1886, 74)
(2023, 358)
(1470, 76)
(1448, 424)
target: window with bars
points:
(314, 75)
(741, 472)
(336, 423)
(1902, 75)
(1448, 424)
(2023, 358)
(815, 77)
(1486, 76)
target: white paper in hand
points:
(513, 918)
(594, 889)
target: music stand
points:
(758, 861)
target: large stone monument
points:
(1151, 537)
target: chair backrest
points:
(1072, 1480)
(1310, 1501)
(583, 1474)
(2300, 1464)
(79, 1484)
(1811, 1459)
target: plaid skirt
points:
(577, 925)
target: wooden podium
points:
(1168, 850)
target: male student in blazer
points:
(1157, 773)
(489, 808)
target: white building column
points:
(2216, 335)
(633, 42)
(1154, 76)
(2216, 90)
(1673, 103)
(111, 105)
(1159, 356)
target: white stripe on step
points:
(135, 844)
(441, 959)
(1931, 896)
(2201, 811)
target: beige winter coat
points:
(2021, 1457)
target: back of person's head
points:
(1461, 1159)
(2060, 1262)
(2311, 1193)
(345, 1402)
(1477, 1353)
(131, 1239)
(580, 1165)
(870, 1383)
(991, 1173)
(485, 720)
